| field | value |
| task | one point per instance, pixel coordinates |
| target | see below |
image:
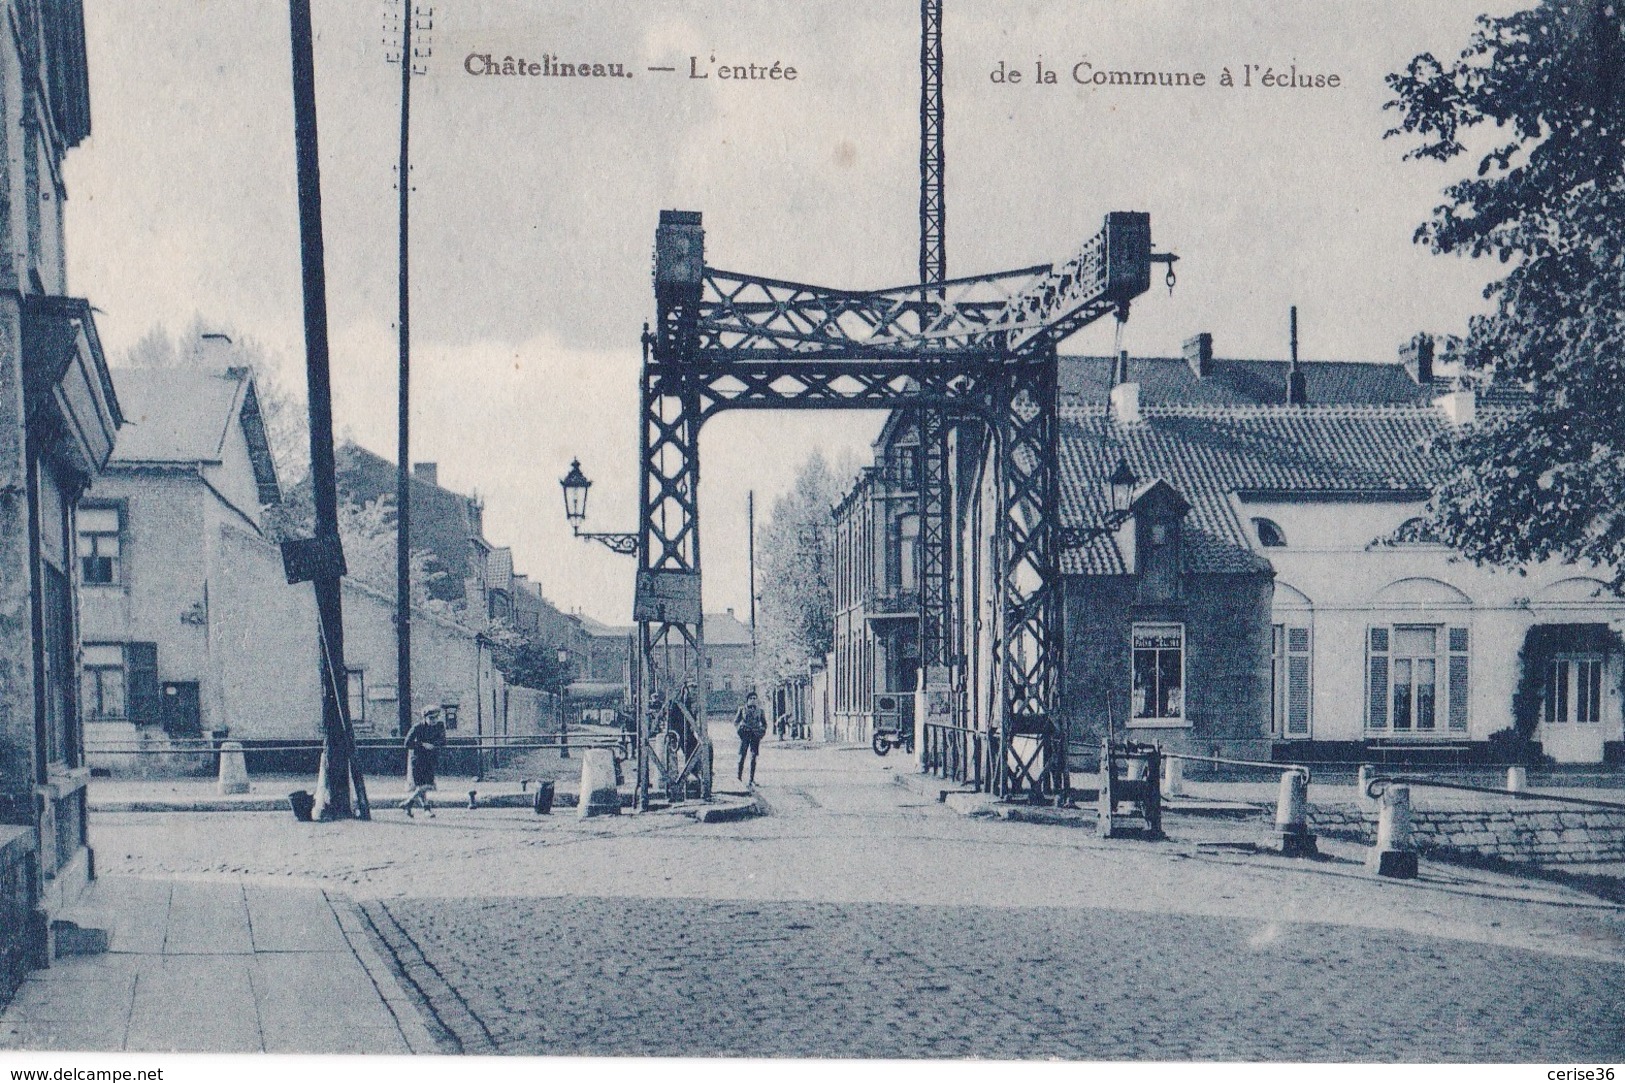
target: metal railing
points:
(955, 753)
(544, 741)
(1381, 782)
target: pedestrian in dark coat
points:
(423, 743)
(751, 725)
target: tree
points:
(367, 532)
(528, 659)
(795, 558)
(1547, 199)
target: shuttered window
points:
(1292, 680)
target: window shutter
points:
(1458, 678)
(146, 700)
(1377, 671)
(1297, 695)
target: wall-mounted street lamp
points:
(1121, 486)
(575, 486)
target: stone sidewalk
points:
(217, 967)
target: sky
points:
(534, 203)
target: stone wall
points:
(21, 926)
(1539, 832)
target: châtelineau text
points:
(548, 66)
(1088, 74)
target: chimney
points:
(1417, 357)
(1297, 392)
(1199, 354)
(428, 473)
(1126, 403)
(1460, 406)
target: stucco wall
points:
(1332, 577)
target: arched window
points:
(1270, 534)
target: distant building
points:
(450, 526)
(600, 674)
(730, 662)
(877, 589)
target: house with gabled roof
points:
(1270, 592)
(1273, 592)
(190, 628)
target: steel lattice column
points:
(1030, 611)
(936, 619)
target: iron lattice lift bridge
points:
(978, 351)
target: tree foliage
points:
(367, 532)
(528, 659)
(795, 553)
(1538, 99)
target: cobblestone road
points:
(863, 918)
(681, 977)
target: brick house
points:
(875, 663)
(59, 414)
(730, 657)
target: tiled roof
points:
(1171, 381)
(499, 568)
(175, 415)
(726, 630)
(1209, 452)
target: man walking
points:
(751, 725)
(422, 751)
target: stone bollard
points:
(1392, 855)
(233, 768)
(599, 797)
(1517, 779)
(1362, 797)
(1173, 776)
(473, 799)
(1292, 815)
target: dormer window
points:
(1270, 534)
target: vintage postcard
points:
(1156, 467)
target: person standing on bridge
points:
(422, 751)
(751, 725)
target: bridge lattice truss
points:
(981, 347)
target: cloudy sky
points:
(535, 201)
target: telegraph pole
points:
(338, 750)
(407, 59)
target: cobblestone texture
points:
(679, 977)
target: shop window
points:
(1159, 673)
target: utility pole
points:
(407, 58)
(338, 752)
(750, 548)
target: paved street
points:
(862, 919)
